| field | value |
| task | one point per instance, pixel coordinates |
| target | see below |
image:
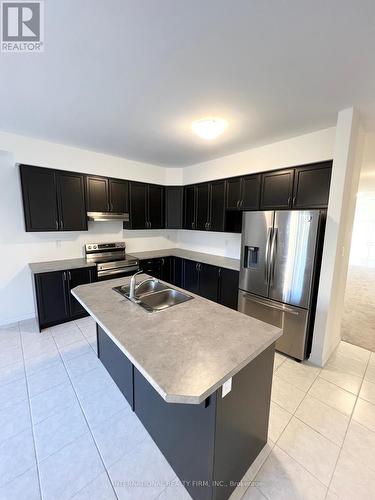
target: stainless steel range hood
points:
(107, 216)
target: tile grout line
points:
(88, 425)
(30, 413)
(294, 415)
(350, 421)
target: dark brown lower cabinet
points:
(55, 304)
(209, 277)
(116, 364)
(210, 446)
(228, 288)
(212, 282)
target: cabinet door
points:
(209, 282)
(117, 365)
(71, 201)
(311, 186)
(202, 200)
(153, 267)
(174, 197)
(39, 198)
(177, 272)
(97, 194)
(190, 205)
(228, 289)
(119, 196)
(138, 207)
(155, 206)
(191, 276)
(51, 293)
(78, 277)
(166, 269)
(233, 192)
(250, 192)
(277, 189)
(217, 206)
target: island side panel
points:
(117, 364)
(242, 423)
(183, 432)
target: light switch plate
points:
(226, 388)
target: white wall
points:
(18, 248)
(344, 183)
(43, 153)
(307, 148)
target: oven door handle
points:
(109, 272)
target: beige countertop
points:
(59, 265)
(204, 258)
(185, 352)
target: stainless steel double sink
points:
(154, 296)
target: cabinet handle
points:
(238, 203)
(289, 199)
(61, 224)
(294, 200)
(241, 204)
(197, 266)
(64, 276)
(57, 224)
(193, 225)
(69, 275)
(149, 223)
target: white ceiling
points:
(127, 77)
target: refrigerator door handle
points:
(267, 254)
(272, 305)
(272, 255)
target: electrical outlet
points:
(226, 388)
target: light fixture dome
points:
(209, 128)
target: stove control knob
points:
(89, 247)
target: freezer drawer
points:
(292, 320)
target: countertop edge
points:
(196, 256)
(172, 398)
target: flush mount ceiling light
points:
(209, 128)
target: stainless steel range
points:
(111, 260)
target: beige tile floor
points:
(67, 432)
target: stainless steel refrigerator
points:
(278, 268)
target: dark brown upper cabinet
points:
(118, 196)
(277, 190)
(71, 201)
(202, 200)
(205, 206)
(190, 207)
(311, 185)
(216, 216)
(97, 194)
(174, 207)
(107, 195)
(53, 200)
(146, 206)
(243, 192)
(155, 206)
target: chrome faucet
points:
(134, 285)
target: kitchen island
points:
(171, 366)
